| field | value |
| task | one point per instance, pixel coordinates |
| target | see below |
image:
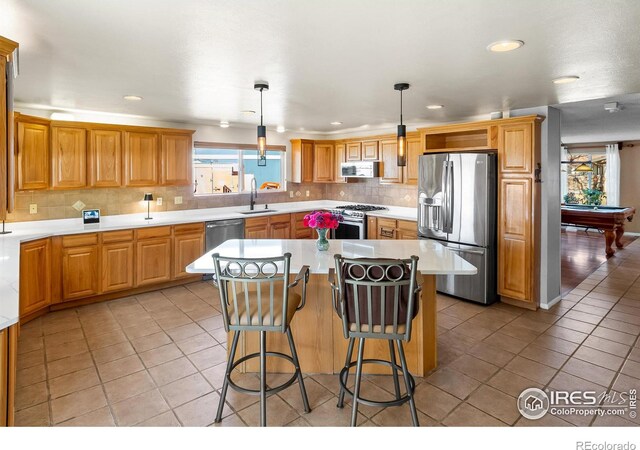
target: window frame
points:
(240, 148)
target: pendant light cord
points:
(400, 107)
(260, 106)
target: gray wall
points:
(550, 274)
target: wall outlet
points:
(177, 200)
(290, 194)
(159, 201)
(308, 193)
(33, 208)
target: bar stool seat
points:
(376, 299)
(256, 298)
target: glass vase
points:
(322, 243)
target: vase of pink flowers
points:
(322, 222)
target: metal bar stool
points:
(376, 299)
(254, 297)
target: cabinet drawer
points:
(407, 225)
(387, 223)
(117, 236)
(280, 218)
(148, 233)
(77, 240)
(188, 228)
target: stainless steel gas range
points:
(354, 225)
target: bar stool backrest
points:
(246, 284)
(377, 298)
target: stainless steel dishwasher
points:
(219, 231)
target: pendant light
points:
(262, 130)
(402, 129)
(584, 167)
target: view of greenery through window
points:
(585, 187)
(223, 171)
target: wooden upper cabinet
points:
(354, 151)
(105, 158)
(68, 157)
(177, 155)
(301, 161)
(515, 144)
(414, 151)
(391, 173)
(370, 151)
(340, 157)
(323, 163)
(141, 158)
(32, 156)
(35, 276)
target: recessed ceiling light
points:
(224, 124)
(132, 98)
(280, 129)
(505, 46)
(565, 80)
(247, 111)
(435, 106)
(336, 123)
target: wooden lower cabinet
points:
(8, 362)
(269, 227)
(80, 272)
(188, 245)
(153, 261)
(256, 228)
(35, 276)
(117, 266)
(298, 230)
(515, 247)
(383, 228)
(280, 226)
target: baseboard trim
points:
(548, 305)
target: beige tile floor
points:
(157, 359)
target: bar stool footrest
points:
(382, 404)
(269, 391)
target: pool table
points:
(609, 219)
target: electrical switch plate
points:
(78, 206)
(290, 194)
(177, 200)
(308, 194)
(33, 208)
(159, 201)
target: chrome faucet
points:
(254, 193)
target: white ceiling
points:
(587, 121)
(196, 60)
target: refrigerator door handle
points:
(451, 197)
(445, 195)
(461, 250)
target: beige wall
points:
(630, 182)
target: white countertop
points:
(435, 259)
(27, 231)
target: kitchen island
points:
(316, 328)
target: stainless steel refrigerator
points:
(457, 205)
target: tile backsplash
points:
(58, 204)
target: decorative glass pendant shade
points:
(402, 129)
(262, 130)
(583, 168)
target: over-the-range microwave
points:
(359, 169)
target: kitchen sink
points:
(258, 211)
